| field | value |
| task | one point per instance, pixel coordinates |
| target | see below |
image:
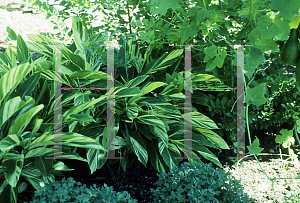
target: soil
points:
(139, 179)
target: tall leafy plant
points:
(23, 148)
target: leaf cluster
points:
(69, 190)
(198, 182)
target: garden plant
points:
(149, 84)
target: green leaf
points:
(22, 51)
(186, 32)
(287, 8)
(254, 147)
(11, 34)
(28, 86)
(256, 95)
(136, 81)
(127, 92)
(213, 137)
(132, 111)
(253, 59)
(45, 165)
(74, 58)
(12, 165)
(139, 147)
(161, 7)
(82, 107)
(278, 30)
(201, 121)
(163, 62)
(79, 33)
(286, 138)
(23, 120)
(83, 117)
(12, 106)
(12, 78)
(152, 86)
(151, 120)
(68, 139)
(207, 154)
(9, 142)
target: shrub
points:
(72, 191)
(198, 182)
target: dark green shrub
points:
(198, 182)
(72, 191)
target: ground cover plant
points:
(150, 79)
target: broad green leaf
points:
(81, 98)
(151, 87)
(82, 107)
(288, 8)
(136, 81)
(253, 59)
(172, 91)
(83, 117)
(84, 74)
(10, 57)
(22, 51)
(93, 159)
(161, 133)
(256, 95)
(68, 139)
(295, 22)
(155, 158)
(28, 86)
(128, 92)
(41, 151)
(155, 103)
(207, 154)
(79, 33)
(278, 30)
(23, 120)
(45, 165)
(201, 121)
(11, 34)
(161, 7)
(286, 138)
(12, 165)
(60, 166)
(166, 60)
(151, 120)
(189, 153)
(33, 176)
(132, 111)
(254, 147)
(186, 31)
(213, 137)
(9, 142)
(12, 106)
(39, 48)
(74, 58)
(298, 125)
(164, 152)
(139, 147)
(12, 78)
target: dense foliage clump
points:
(198, 182)
(71, 191)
